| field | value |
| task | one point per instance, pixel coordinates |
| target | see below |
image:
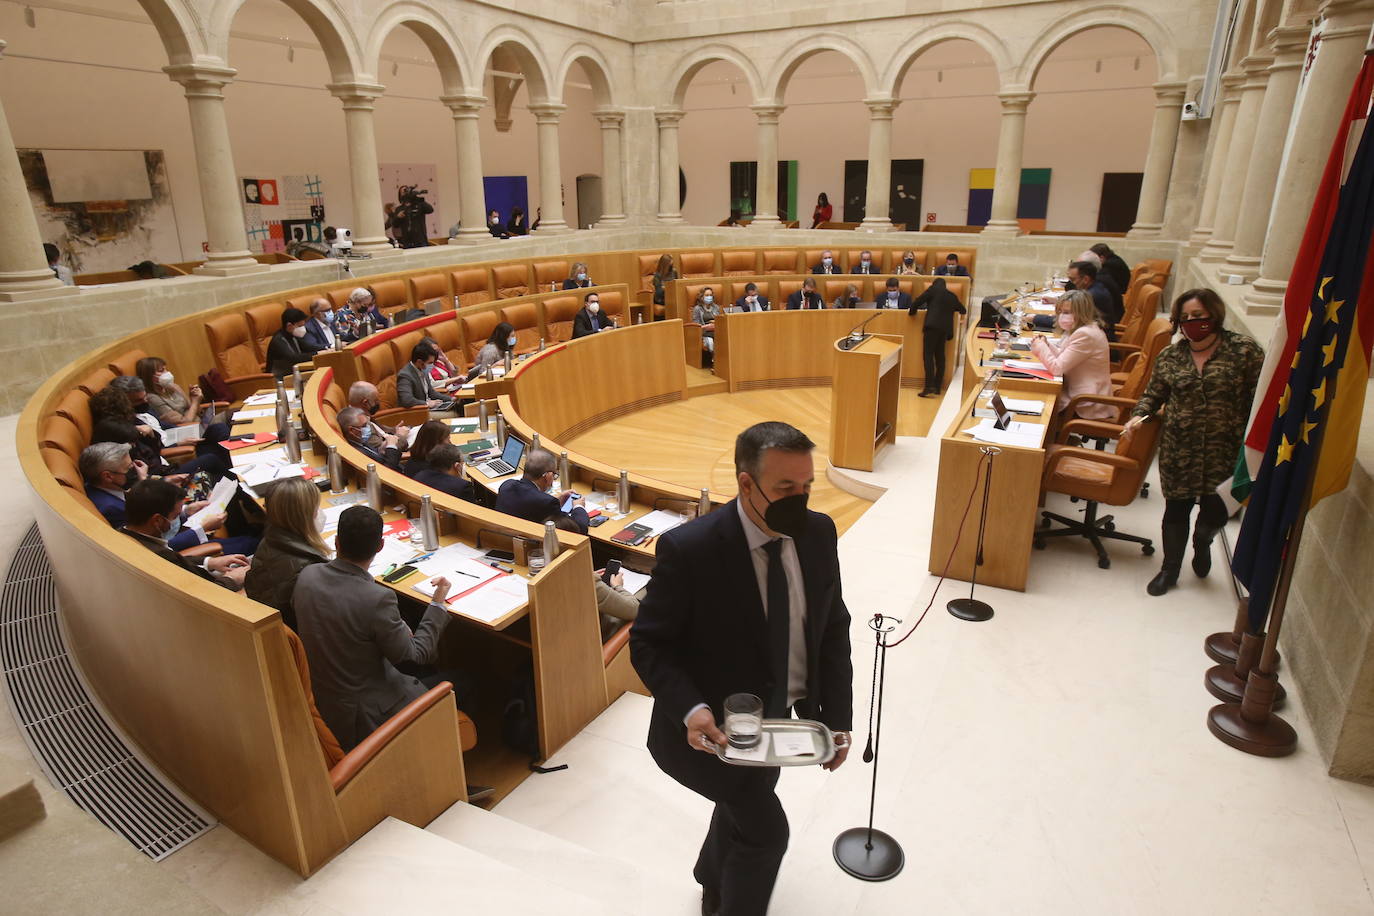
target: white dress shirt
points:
(796, 594)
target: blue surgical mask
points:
(708, 299)
(328, 316)
(582, 277)
(365, 433)
(510, 341)
(172, 531)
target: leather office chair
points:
(1130, 378)
(549, 274)
(511, 281)
(695, 264)
(236, 357)
(445, 334)
(476, 329)
(471, 286)
(783, 261)
(558, 317)
(97, 380)
(429, 288)
(1130, 333)
(126, 363)
(1113, 478)
(739, 263)
(524, 318)
(264, 320)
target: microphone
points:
(857, 334)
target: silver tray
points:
(824, 738)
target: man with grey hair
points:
(745, 600)
(319, 330)
(529, 496)
(364, 396)
(357, 428)
(362, 306)
(108, 471)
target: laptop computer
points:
(508, 462)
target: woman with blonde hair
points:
(907, 265)
(1079, 354)
(664, 273)
(705, 311)
(291, 542)
(579, 278)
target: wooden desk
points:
(977, 352)
(863, 400)
(1014, 498)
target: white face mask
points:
(893, 293)
(593, 307)
(510, 341)
(1066, 320)
(298, 332)
(708, 299)
(866, 263)
(320, 520)
(165, 379)
(582, 277)
(826, 261)
(327, 316)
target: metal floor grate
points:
(79, 749)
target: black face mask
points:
(786, 515)
(373, 408)
(130, 478)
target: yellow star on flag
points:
(1319, 395)
(1283, 401)
(1321, 290)
(1307, 427)
(1333, 309)
(1329, 352)
(1285, 451)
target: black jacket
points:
(744, 306)
(701, 633)
(521, 498)
(881, 301)
(585, 323)
(940, 305)
(161, 549)
(285, 350)
(460, 487)
(1118, 270)
(813, 300)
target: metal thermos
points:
(500, 431)
(283, 407)
(490, 375)
(298, 379)
(374, 488)
(292, 442)
(564, 471)
(335, 468)
(534, 442)
(429, 523)
(541, 345)
(622, 493)
(510, 361)
(368, 326)
(482, 423)
(704, 504)
(550, 543)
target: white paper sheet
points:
(461, 574)
(269, 399)
(255, 413)
(180, 434)
(634, 581)
(758, 752)
(493, 600)
(393, 552)
(1016, 405)
(793, 744)
(244, 457)
(984, 432)
(218, 502)
(661, 520)
(331, 517)
(256, 475)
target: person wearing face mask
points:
(494, 225)
(849, 299)
(806, 297)
(360, 432)
(167, 402)
(752, 300)
(320, 331)
(153, 514)
(865, 265)
(705, 311)
(580, 278)
(352, 324)
(364, 396)
(443, 470)
(826, 265)
(414, 387)
(1204, 384)
(1080, 355)
(120, 413)
(940, 306)
(823, 212)
(907, 266)
(892, 296)
(951, 267)
(291, 542)
(500, 342)
(1083, 275)
(591, 320)
(530, 496)
(288, 346)
(745, 599)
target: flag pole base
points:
(1249, 725)
(1222, 648)
(1227, 682)
(869, 855)
(970, 609)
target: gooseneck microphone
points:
(857, 334)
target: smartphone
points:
(398, 574)
(568, 504)
(612, 568)
(501, 555)
(597, 520)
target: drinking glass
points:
(743, 719)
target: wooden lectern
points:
(863, 401)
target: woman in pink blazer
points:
(1079, 354)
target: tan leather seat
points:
(549, 275)
(647, 264)
(97, 380)
(76, 407)
(834, 289)
(739, 263)
(402, 345)
(63, 468)
(427, 288)
(781, 261)
(378, 366)
(968, 257)
(558, 317)
(471, 286)
(235, 354)
(1130, 380)
(524, 317)
(126, 363)
(476, 329)
(62, 434)
(264, 320)
(613, 304)
(445, 334)
(511, 281)
(696, 264)
(392, 295)
(853, 256)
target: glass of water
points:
(743, 719)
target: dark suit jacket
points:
(571, 283)
(744, 306)
(814, 300)
(112, 509)
(1108, 306)
(859, 268)
(521, 498)
(414, 388)
(390, 457)
(584, 323)
(940, 310)
(820, 269)
(314, 335)
(1118, 270)
(944, 271)
(881, 301)
(460, 487)
(284, 351)
(701, 633)
(171, 556)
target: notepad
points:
(180, 434)
(493, 600)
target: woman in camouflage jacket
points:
(1208, 380)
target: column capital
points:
(1169, 95)
(546, 112)
(609, 118)
(1255, 68)
(767, 114)
(464, 105)
(1344, 17)
(669, 117)
(356, 95)
(201, 80)
(1289, 44)
(881, 109)
(1015, 101)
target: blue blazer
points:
(521, 498)
(958, 271)
(112, 508)
(445, 483)
(315, 336)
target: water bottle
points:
(299, 381)
(541, 345)
(292, 442)
(534, 442)
(510, 361)
(564, 471)
(374, 488)
(622, 493)
(490, 375)
(550, 543)
(283, 408)
(335, 469)
(500, 431)
(704, 503)
(429, 524)
(368, 326)
(482, 423)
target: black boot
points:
(1202, 548)
(1175, 537)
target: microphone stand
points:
(970, 608)
(865, 852)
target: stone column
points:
(1006, 188)
(546, 116)
(1276, 110)
(369, 224)
(220, 192)
(24, 271)
(1237, 159)
(1314, 128)
(1159, 162)
(1224, 116)
(669, 195)
(878, 196)
(612, 172)
(766, 183)
(472, 195)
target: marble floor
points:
(1052, 760)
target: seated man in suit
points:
(1083, 275)
(951, 267)
(364, 396)
(590, 319)
(806, 297)
(865, 265)
(358, 429)
(319, 330)
(528, 497)
(152, 516)
(414, 384)
(752, 300)
(288, 346)
(892, 296)
(827, 264)
(444, 472)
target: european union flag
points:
(1283, 486)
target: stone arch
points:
(436, 34)
(331, 30)
(1123, 17)
(680, 77)
(793, 57)
(526, 50)
(177, 29)
(984, 39)
(598, 71)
